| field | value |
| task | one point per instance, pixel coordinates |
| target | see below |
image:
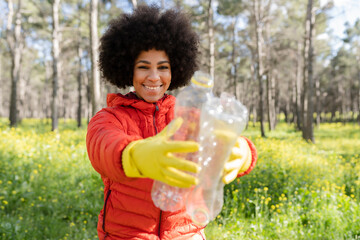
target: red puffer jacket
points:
(128, 211)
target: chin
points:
(151, 99)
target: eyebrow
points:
(147, 62)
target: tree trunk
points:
(318, 110)
(79, 75)
(352, 100)
(233, 57)
(211, 40)
(95, 76)
(79, 78)
(342, 97)
(271, 100)
(309, 86)
(88, 96)
(24, 91)
(305, 81)
(15, 46)
(254, 111)
(291, 101)
(298, 89)
(56, 65)
(259, 62)
(292, 88)
(252, 87)
(270, 83)
(47, 91)
(134, 3)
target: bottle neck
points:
(202, 87)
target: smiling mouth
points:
(153, 88)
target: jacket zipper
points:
(156, 131)
(160, 222)
(106, 199)
(154, 119)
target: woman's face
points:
(152, 75)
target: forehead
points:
(153, 54)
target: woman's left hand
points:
(238, 162)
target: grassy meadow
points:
(48, 189)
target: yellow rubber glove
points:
(152, 158)
(238, 162)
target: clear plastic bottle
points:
(222, 121)
(188, 106)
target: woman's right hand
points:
(152, 158)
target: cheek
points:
(168, 78)
(136, 79)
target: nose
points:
(154, 75)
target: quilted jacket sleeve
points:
(253, 158)
(105, 140)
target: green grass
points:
(297, 190)
(48, 189)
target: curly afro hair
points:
(148, 28)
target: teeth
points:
(152, 88)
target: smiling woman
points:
(153, 51)
(152, 75)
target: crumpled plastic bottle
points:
(188, 106)
(222, 121)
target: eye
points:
(142, 67)
(163, 67)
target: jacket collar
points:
(131, 100)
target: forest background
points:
(275, 56)
(285, 60)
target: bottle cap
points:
(202, 79)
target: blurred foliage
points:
(298, 190)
